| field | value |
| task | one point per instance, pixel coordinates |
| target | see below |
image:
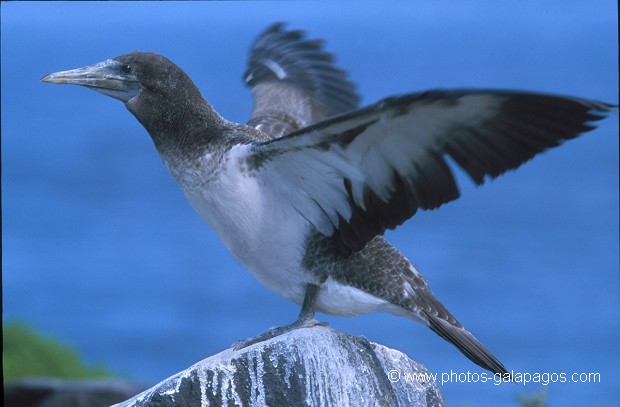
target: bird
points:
(302, 193)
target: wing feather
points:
(358, 174)
(294, 83)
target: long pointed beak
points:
(105, 77)
(100, 75)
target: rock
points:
(48, 392)
(307, 367)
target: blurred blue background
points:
(101, 250)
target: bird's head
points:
(123, 77)
(154, 89)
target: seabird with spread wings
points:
(303, 193)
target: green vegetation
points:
(27, 353)
(533, 400)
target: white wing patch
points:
(275, 68)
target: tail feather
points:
(466, 343)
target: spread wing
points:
(355, 175)
(294, 83)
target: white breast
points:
(264, 233)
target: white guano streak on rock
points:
(318, 386)
(256, 377)
(224, 373)
(225, 379)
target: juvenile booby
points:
(303, 193)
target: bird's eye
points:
(126, 68)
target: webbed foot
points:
(277, 331)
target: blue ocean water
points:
(101, 250)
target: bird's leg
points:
(304, 320)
